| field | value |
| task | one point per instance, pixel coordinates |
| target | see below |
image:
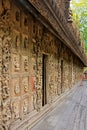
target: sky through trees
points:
(79, 9)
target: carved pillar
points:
(5, 46)
(38, 76)
(0, 81)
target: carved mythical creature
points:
(5, 88)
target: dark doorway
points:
(44, 75)
(61, 76)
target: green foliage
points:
(79, 8)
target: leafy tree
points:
(79, 8)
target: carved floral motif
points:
(6, 90)
(5, 62)
(6, 116)
(5, 50)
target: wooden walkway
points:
(71, 114)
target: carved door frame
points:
(62, 62)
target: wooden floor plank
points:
(70, 115)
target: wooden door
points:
(44, 77)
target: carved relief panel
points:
(4, 5)
(5, 49)
(5, 89)
(33, 65)
(25, 106)
(25, 85)
(16, 109)
(25, 22)
(15, 63)
(39, 31)
(25, 43)
(6, 53)
(16, 17)
(25, 63)
(16, 40)
(32, 96)
(38, 98)
(0, 53)
(0, 72)
(53, 77)
(15, 87)
(45, 43)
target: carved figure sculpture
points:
(25, 107)
(25, 84)
(16, 64)
(16, 109)
(16, 87)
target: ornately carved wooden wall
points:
(23, 41)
